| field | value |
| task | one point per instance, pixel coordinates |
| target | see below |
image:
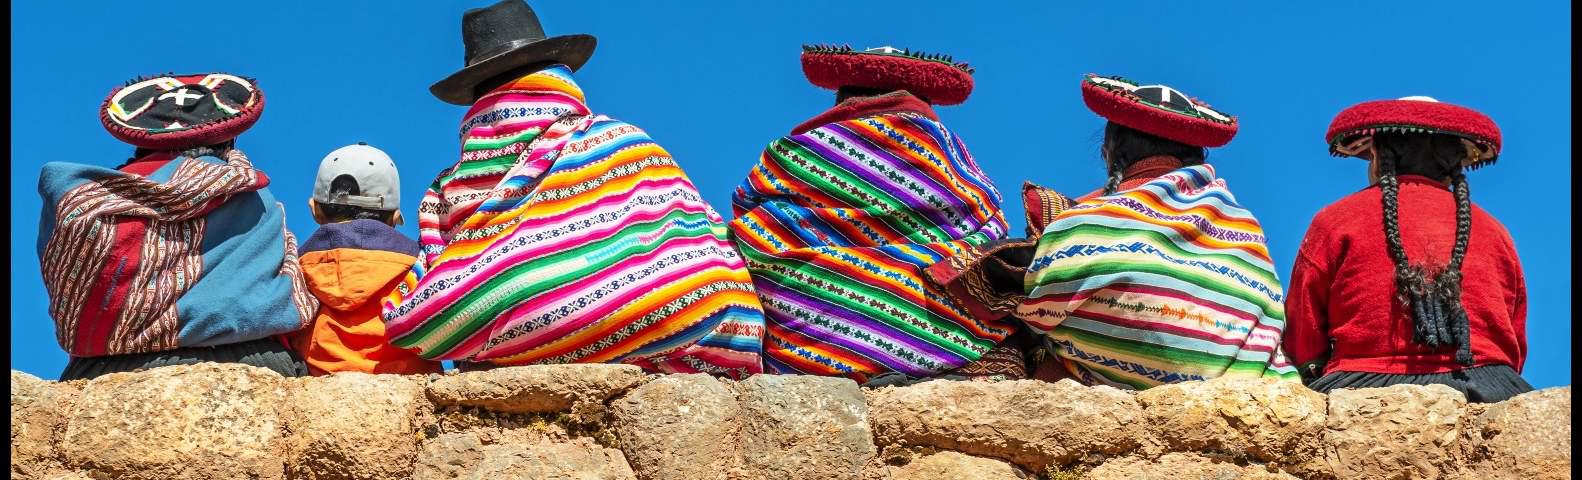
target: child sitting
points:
(353, 262)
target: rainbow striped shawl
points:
(838, 225)
(1163, 283)
(563, 237)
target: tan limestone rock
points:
(1181, 466)
(679, 426)
(1030, 423)
(207, 420)
(463, 456)
(1528, 436)
(949, 465)
(1402, 431)
(1265, 420)
(537, 388)
(39, 410)
(353, 425)
(799, 426)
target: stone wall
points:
(609, 421)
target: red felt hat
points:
(931, 76)
(1158, 110)
(1416, 115)
(176, 112)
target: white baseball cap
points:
(378, 184)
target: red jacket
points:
(1342, 288)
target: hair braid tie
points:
(1114, 183)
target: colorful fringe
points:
(838, 225)
(564, 237)
(1163, 283)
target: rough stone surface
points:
(353, 425)
(463, 456)
(188, 421)
(536, 389)
(679, 426)
(232, 421)
(450, 455)
(1403, 431)
(951, 465)
(38, 421)
(1263, 420)
(1030, 423)
(804, 427)
(1183, 466)
(1528, 436)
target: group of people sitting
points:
(867, 243)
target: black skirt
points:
(265, 352)
(1485, 384)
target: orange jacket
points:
(350, 273)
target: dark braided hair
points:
(1431, 294)
(217, 149)
(1127, 145)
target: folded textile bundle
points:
(1166, 282)
(563, 236)
(838, 224)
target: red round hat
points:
(1416, 115)
(176, 112)
(932, 76)
(1158, 110)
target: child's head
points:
(357, 182)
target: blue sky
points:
(715, 83)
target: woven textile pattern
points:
(838, 225)
(126, 248)
(1163, 283)
(562, 237)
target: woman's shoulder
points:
(1365, 201)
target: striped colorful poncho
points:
(564, 237)
(839, 223)
(1166, 282)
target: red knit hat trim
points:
(931, 76)
(236, 104)
(1157, 110)
(1412, 115)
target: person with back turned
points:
(562, 235)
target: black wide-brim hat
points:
(502, 37)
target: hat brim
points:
(1116, 105)
(941, 83)
(570, 50)
(1411, 116)
(207, 133)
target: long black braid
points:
(1128, 145)
(1431, 295)
(1114, 182)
